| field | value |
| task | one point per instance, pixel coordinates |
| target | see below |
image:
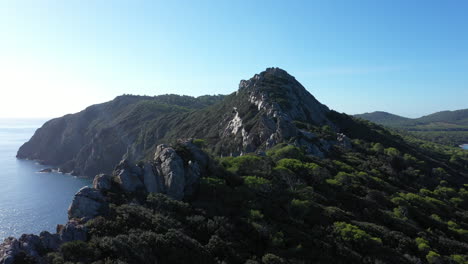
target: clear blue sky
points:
(405, 57)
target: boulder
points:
(170, 166)
(102, 182)
(128, 176)
(87, 203)
(50, 241)
(72, 231)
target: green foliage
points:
(247, 165)
(283, 151)
(272, 259)
(201, 143)
(378, 148)
(299, 208)
(76, 251)
(392, 152)
(460, 259)
(348, 232)
(432, 257)
(423, 244)
(256, 215)
(257, 183)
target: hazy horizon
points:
(406, 58)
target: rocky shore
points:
(174, 171)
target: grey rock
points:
(87, 203)
(72, 231)
(8, 250)
(152, 181)
(50, 241)
(171, 167)
(30, 244)
(102, 182)
(128, 177)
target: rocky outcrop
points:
(170, 168)
(128, 176)
(102, 182)
(172, 172)
(71, 231)
(87, 203)
(14, 250)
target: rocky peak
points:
(278, 93)
(265, 113)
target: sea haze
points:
(30, 202)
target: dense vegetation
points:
(389, 199)
(446, 127)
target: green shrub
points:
(352, 233)
(282, 151)
(272, 259)
(247, 165)
(258, 183)
(76, 251)
(299, 208)
(199, 142)
(460, 259)
(255, 215)
(423, 244)
(432, 257)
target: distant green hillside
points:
(446, 127)
(384, 118)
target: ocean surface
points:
(30, 202)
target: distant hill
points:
(384, 118)
(447, 127)
(459, 117)
(444, 120)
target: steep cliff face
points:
(95, 139)
(263, 112)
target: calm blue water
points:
(30, 202)
(464, 146)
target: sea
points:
(30, 202)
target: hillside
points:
(384, 118)
(446, 127)
(312, 185)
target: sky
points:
(405, 57)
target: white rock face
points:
(234, 125)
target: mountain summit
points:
(270, 108)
